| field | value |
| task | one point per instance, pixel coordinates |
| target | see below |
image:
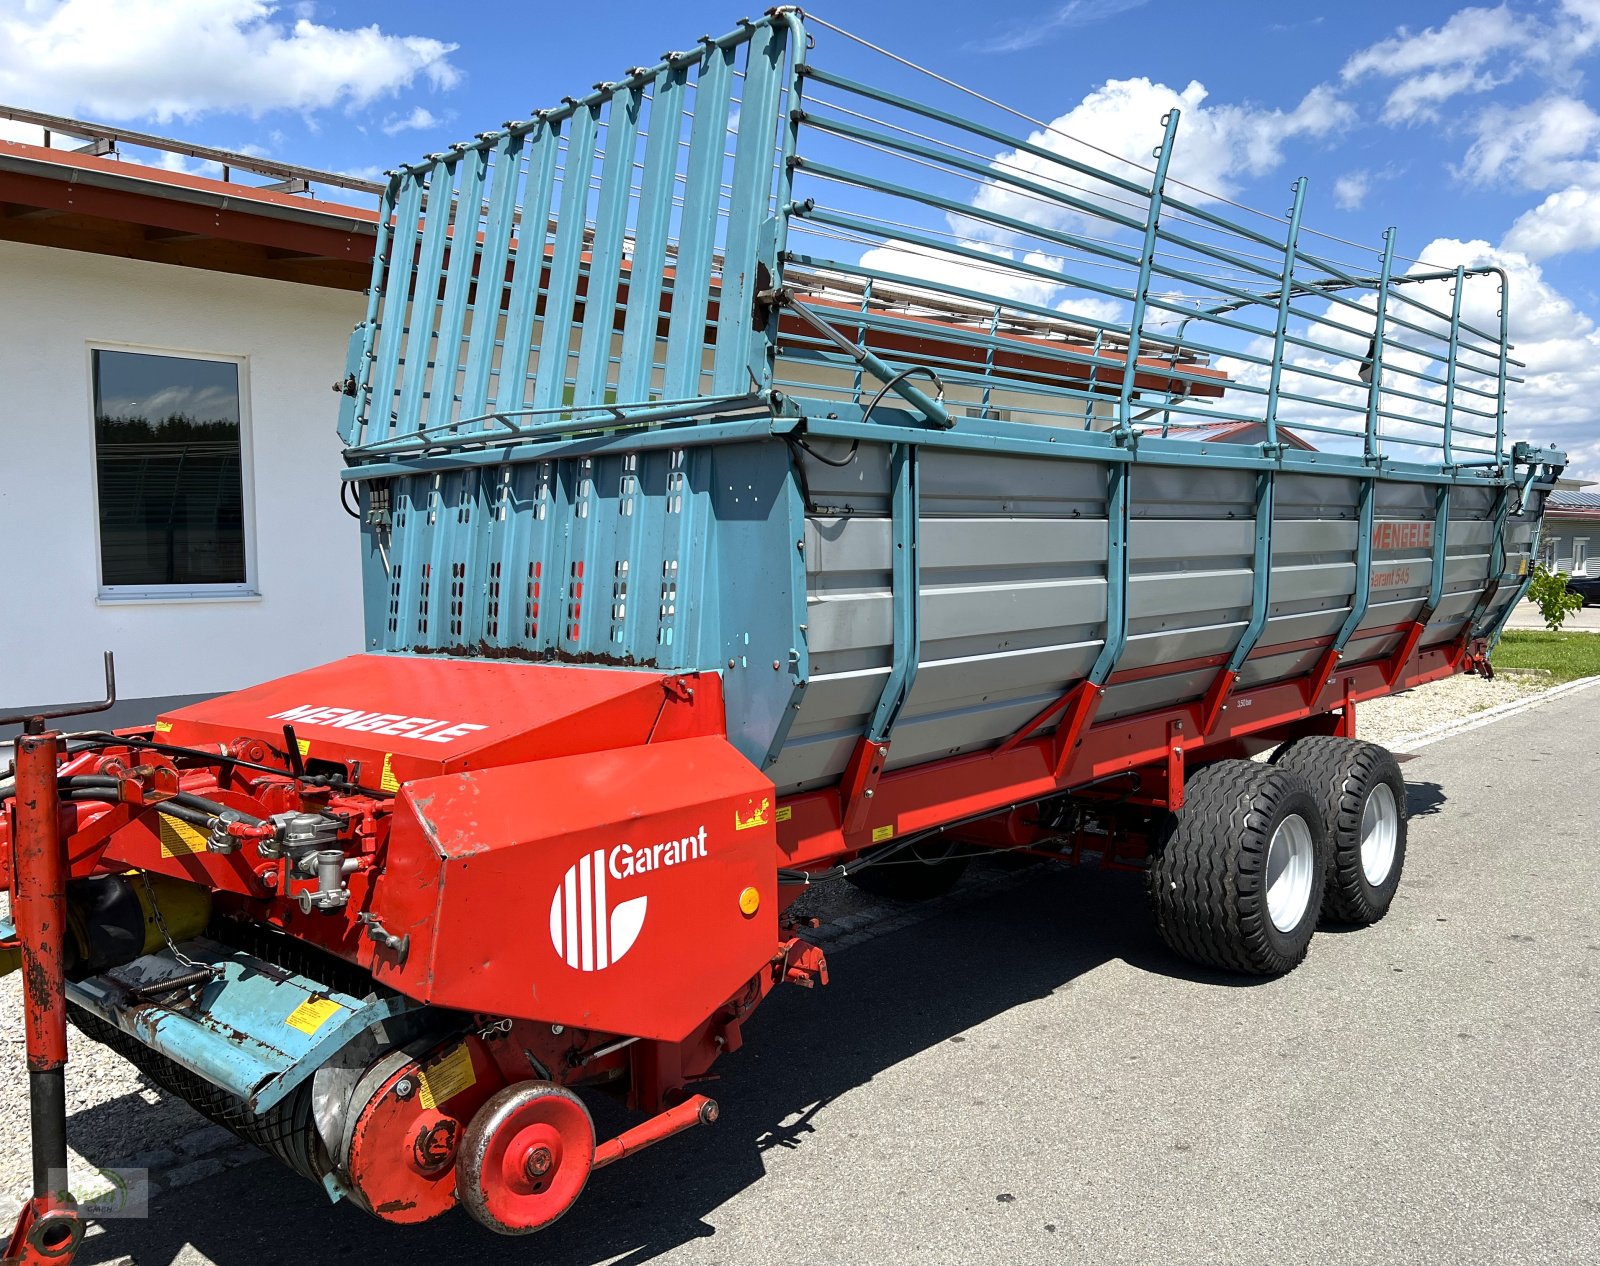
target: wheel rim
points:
(1380, 831)
(527, 1159)
(1290, 865)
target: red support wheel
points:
(525, 1157)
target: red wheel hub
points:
(525, 1157)
(401, 1150)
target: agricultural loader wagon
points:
(777, 466)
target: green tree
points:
(1548, 591)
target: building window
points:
(1580, 555)
(169, 458)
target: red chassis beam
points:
(926, 797)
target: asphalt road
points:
(1030, 1077)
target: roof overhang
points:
(80, 202)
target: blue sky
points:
(1473, 126)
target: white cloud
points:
(1540, 145)
(418, 120)
(1475, 50)
(943, 268)
(1216, 145)
(166, 59)
(1073, 13)
(1350, 190)
(1565, 221)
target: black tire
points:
(917, 872)
(1208, 878)
(1345, 775)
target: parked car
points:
(1586, 587)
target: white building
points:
(169, 478)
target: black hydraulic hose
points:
(846, 868)
(106, 739)
(187, 797)
(173, 808)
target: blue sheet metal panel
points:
(699, 225)
(755, 504)
(358, 359)
(605, 252)
(657, 186)
(460, 267)
(256, 1031)
(422, 318)
(741, 355)
(543, 145)
(550, 386)
(392, 278)
(504, 180)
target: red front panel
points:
(628, 892)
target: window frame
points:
(245, 589)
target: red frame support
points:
(1025, 768)
(48, 1229)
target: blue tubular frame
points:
(906, 588)
(1130, 371)
(1375, 384)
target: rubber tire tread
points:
(1206, 881)
(1341, 773)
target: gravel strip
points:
(118, 1119)
(1448, 699)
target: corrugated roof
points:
(1560, 499)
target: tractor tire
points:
(918, 872)
(1236, 875)
(1363, 796)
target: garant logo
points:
(584, 930)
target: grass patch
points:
(1565, 656)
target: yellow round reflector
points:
(749, 901)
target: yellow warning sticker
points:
(312, 1014)
(163, 727)
(304, 745)
(446, 1077)
(179, 839)
(785, 812)
(388, 782)
(881, 833)
(756, 816)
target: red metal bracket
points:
(804, 964)
(1082, 705)
(1396, 663)
(1327, 662)
(47, 1234)
(1216, 699)
(1039, 720)
(1346, 726)
(860, 782)
(1175, 765)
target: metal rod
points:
(1375, 367)
(1275, 374)
(39, 907)
(1146, 259)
